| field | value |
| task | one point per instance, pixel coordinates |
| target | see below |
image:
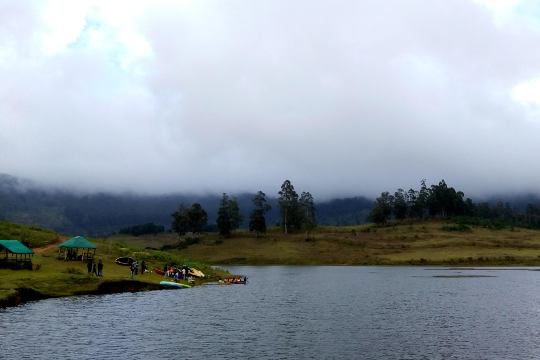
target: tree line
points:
(443, 201)
(297, 213)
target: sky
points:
(342, 97)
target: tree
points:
(257, 219)
(191, 219)
(382, 209)
(229, 217)
(288, 205)
(399, 205)
(180, 224)
(307, 207)
(197, 218)
(445, 201)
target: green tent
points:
(14, 247)
(69, 249)
(16, 255)
(78, 242)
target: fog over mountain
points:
(342, 97)
(24, 201)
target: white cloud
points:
(342, 97)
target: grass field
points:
(63, 278)
(436, 242)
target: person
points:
(132, 267)
(143, 267)
(100, 268)
(89, 266)
(165, 269)
(94, 268)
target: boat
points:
(234, 280)
(124, 260)
(158, 271)
(196, 273)
(174, 284)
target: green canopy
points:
(14, 247)
(78, 242)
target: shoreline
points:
(25, 295)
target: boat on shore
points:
(124, 261)
(174, 284)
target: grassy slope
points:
(60, 278)
(420, 243)
(30, 235)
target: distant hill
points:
(24, 202)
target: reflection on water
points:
(294, 312)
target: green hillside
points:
(30, 235)
(433, 242)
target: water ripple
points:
(292, 313)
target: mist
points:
(340, 97)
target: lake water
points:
(294, 313)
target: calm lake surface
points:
(294, 313)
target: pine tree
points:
(257, 219)
(288, 204)
(229, 218)
(307, 207)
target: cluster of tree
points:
(297, 213)
(442, 201)
(438, 200)
(228, 218)
(499, 214)
(192, 219)
(149, 228)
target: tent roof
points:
(78, 242)
(15, 247)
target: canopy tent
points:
(69, 249)
(16, 255)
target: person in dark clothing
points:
(94, 268)
(100, 268)
(89, 266)
(143, 267)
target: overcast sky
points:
(342, 97)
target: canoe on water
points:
(174, 284)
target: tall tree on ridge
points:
(307, 207)
(257, 219)
(288, 205)
(229, 217)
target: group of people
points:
(177, 273)
(95, 269)
(134, 267)
(71, 254)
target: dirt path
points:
(40, 250)
(53, 245)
